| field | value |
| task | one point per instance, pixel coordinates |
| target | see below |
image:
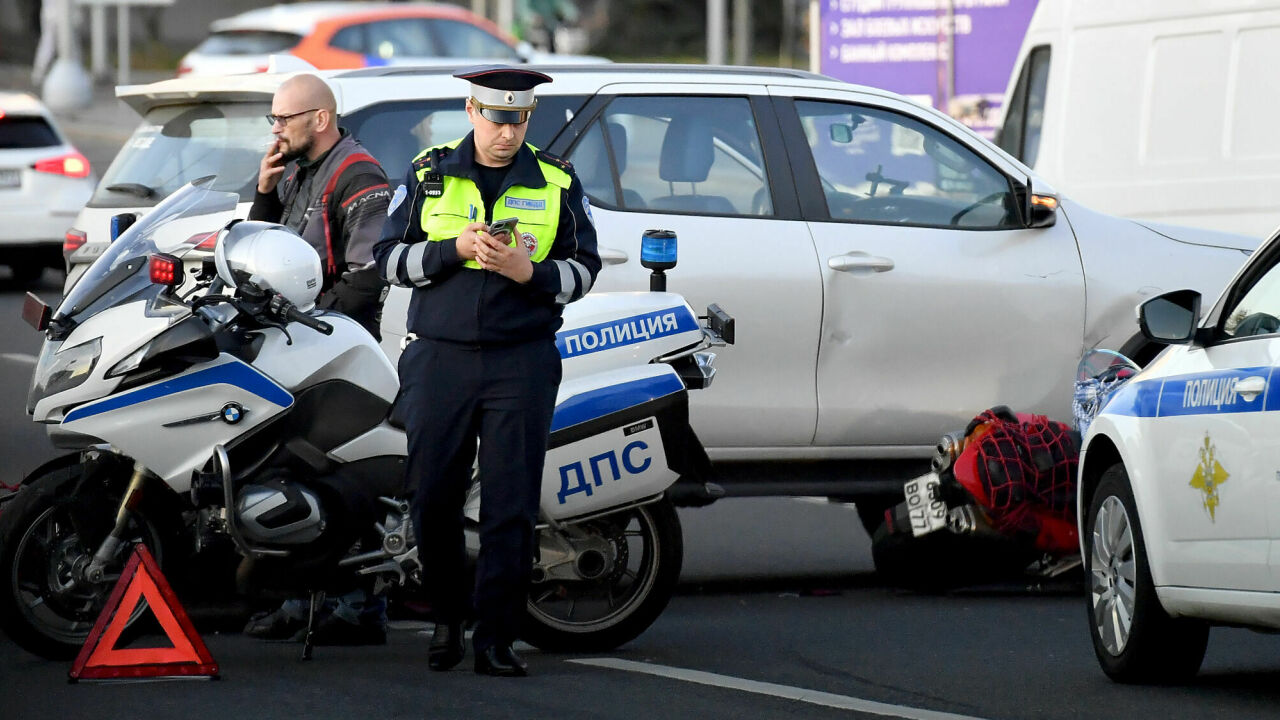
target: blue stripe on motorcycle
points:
(234, 373)
(598, 403)
(1209, 393)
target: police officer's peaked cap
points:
(503, 94)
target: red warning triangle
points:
(100, 658)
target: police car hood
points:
(1199, 236)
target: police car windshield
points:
(174, 227)
(176, 144)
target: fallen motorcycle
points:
(999, 502)
(207, 403)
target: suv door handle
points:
(609, 256)
(1251, 385)
(859, 263)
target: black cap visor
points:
(505, 117)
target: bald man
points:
(320, 182)
(317, 180)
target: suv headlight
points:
(60, 369)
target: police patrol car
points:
(1180, 482)
(892, 271)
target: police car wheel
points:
(1134, 639)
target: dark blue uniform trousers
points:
(503, 396)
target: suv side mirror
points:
(1039, 210)
(1170, 318)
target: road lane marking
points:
(19, 357)
(813, 697)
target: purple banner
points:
(905, 46)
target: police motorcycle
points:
(206, 401)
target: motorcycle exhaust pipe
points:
(591, 564)
(947, 450)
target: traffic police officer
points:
(482, 363)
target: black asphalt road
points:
(753, 653)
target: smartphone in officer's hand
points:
(505, 225)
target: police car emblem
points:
(233, 413)
(530, 242)
(1208, 476)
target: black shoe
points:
(333, 630)
(276, 625)
(446, 648)
(500, 661)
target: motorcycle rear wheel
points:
(600, 615)
(44, 608)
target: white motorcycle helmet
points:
(271, 256)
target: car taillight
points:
(73, 241)
(165, 269)
(183, 69)
(72, 164)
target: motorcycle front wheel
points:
(599, 615)
(46, 605)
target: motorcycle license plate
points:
(927, 512)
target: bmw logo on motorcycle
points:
(233, 413)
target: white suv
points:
(892, 272)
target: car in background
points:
(892, 273)
(333, 35)
(1179, 490)
(44, 183)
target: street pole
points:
(67, 87)
(815, 37)
(506, 16)
(715, 32)
(742, 32)
(479, 7)
(98, 41)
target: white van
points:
(1162, 110)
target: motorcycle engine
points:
(279, 513)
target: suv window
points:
(26, 131)
(395, 132)
(176, 144)
(248, 42)
(461, 39)
(675, 154)
(1020, 135)
(879, 166)
(389, 39)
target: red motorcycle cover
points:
(1021, 469)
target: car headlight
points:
(60, 369)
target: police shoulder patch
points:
(396, 199)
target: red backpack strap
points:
(331, 264)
